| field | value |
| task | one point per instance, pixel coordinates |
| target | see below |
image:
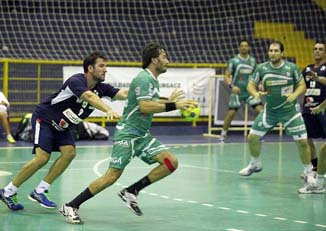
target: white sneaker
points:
(71, 214)
(131, 202)
(251, 168)
(312, 188)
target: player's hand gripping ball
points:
(190, 114)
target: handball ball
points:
(190, 114)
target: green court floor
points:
(205, 193)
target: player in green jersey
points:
(282, 83)
(237, 75)
(132, 137)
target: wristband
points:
(170, 106)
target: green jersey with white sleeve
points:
(241, 69)
(278, 81)
(143, 87)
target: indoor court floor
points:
(204, 194)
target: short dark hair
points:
(151, 50)
(320, 42)
(244, 40)
(91, 59)
(279, 43)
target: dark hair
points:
(91, 59)
(279, 43)
(244, 40)
(320, 42)
(151, 50)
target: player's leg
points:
(313, 127)
(10, 191)
(234, 105)
(70, 210)
(317, 185)
(120, 157)
(43, 137)
(261, 126)
(150, 150)
(63, 142)
(295, 127)
(5, 124)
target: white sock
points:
(319, 180)
(224, 132)
(10, 190)
(307, 168)
(255, 160)
(42, 187)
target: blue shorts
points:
(315, 125)
(47, 137)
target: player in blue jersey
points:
(51, 123)
(132, 137)
(315, 79)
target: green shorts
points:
(292, 121)
(126, 147)
(235, 100)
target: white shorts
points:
(4, 109)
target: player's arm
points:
(121, 94)
(228, 78)
(319, 109)
(252, 90)
(96, 102)
(148, 106)
(175, 96)
(314, 76)
(300, 88)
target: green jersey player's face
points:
(274, 53)
(99, 70)
(163, 61)
(244, 48)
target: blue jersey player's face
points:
(319, 52)
(99, 70)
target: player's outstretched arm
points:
(96, 102)
(122, 94)
(147, 106)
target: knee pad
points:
(169, 165)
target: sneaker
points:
(42, 199)
(312, 188)
(10, 139)
(11, 201)
(250, 169)
(130, 199)
(71, 214)
(221, 139)
(313, 172)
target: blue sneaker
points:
(11, 201)
(42, 199)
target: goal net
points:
(194, 31)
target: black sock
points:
(314, 162)
(139, 185)
(81, 198)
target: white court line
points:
(97, 172)
(234, 230)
